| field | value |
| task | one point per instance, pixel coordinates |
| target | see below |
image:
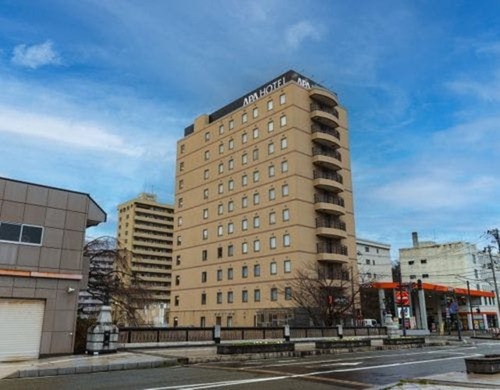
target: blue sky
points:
(95, 94)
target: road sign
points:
(402, 298)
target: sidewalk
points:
(162, 357)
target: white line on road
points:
(200, 386)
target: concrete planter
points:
(487, 364)
(334, 344)
(236, 349)
(405, 341)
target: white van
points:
(369, 322)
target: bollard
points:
(217, 334)
(287, 332)
(340, 331)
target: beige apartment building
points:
(263, 190)
(145, 228)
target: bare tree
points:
(325, 293)
(112, 282)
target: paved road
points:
(344, 371)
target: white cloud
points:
(297, 33)
(35, 56)
(63, 130)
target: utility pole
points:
(488, 249)
(402, 309)
(470, 309)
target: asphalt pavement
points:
(162, 357)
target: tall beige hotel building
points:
(263, 189)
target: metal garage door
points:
(20, 328)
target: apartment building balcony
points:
(328, 181)
(323, 96)
(140, 268)
(325, 115)
(331, 228)
(165, 224)
(153, 235)
(332, 252)
(153, 242)
(153, 278)
(147, 225)
(327, 158)
(167, 262)
(146, 252)
(325, 135)
(166, 213)
(329, 204)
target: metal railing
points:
(327, 198)
(326, 247)
(329, 175)
(327, 109)
(317, 151)
(317, 128)
(330, 223)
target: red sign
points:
(402, 298)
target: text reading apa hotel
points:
(263, 189)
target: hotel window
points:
(230, 144)
(244, 296)
(179, 221)
(207, 154)
(270, 148)
(255, 133)
(284, 190)
(181, 184)
(271, 171)
(221, 148)
(206, 174)
(221, 168)
(272, 243)
(203, 298)
(181, 166)
(256, 246)
(230, 185)
(219, 275)
(287, 266)
(256, 222)
(220, 230)
(256, 176)
(272, 218)
(230, 206)
(255, 112)
(219, 298)
(231, 124)
(256, 198)
(230, 250)
(282, 98)
(204, 255)
(256, 295)
(272, 194)
(274, 294)
(244, 272)
(288, 293)
(244, 138)
(220, 252)
(229, 297)
(286, 239)
(284, 143)
(230, 228)
(244, 202)
(221, 129)
(176, 300)
(244, 247)
(207, 136)
(273, 268)
(286, 215)
(244, 117)
(183, 148)
(205, 234)
(230, 164)
(204, 277)
(255, 154)
(244, 180)
(283, 120)
(256, 270)
(180, 202)
(220, 209)
(284, 166)
(221, 188)
(244, 224)
(270, 126)
(269, 105)
(244, 158)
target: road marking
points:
(209, 385)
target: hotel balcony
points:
(323, 96)
(328, 181)
(326, 136)
(327, 158)
(330, 227)
(329, 204)
(332, 252)
(325, 115)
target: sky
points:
(95, 94)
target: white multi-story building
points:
(374, 261)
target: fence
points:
(172, 335)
